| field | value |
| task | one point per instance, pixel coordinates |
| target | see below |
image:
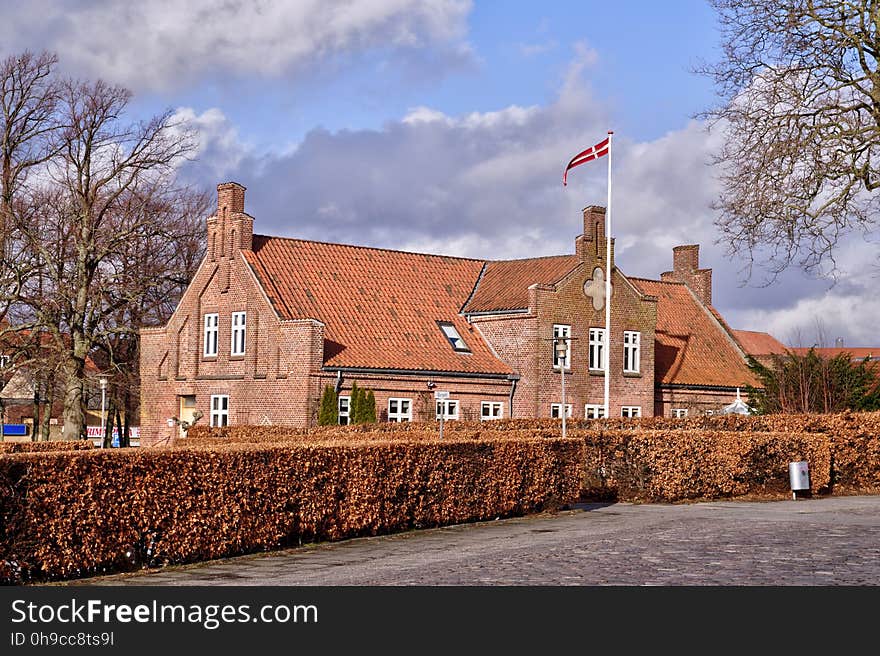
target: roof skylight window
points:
(454, 338)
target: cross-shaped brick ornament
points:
(595, 289)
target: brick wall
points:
(525, 340)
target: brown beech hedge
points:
(30, 447)
(852, 442)
(77, 513)
(665, 465)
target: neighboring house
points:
(763, 346)
(857, 354)
(267, 322)
(20, 389)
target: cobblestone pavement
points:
(823, 541)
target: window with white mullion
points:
(491, 410)
(210, 332)
(447, 408)
(239, 330)
(219, 410)
(399, 410)
(598, 348)
(344, 410)
(556, 410)
(632, 345)
(564, 331)
(592, 411)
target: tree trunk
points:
(36, 423)
(108, 428)
(73, 399)
(47, 412)
(124, 437)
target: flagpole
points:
(608, 284)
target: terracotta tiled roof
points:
(380, 307)
(758, 343)
(690, 347)
(505, 284)
(857, 353)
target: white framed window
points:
(593, 411)
(678, 413)
(219, 410)
(556, 410)
(399, 410)
(344, 407)
(597, 348)
(631, 411)
(212, 321)
(239, 330)
(454, 338)
(4, 361)
(447, 408)
(491, 410)
(561, 330)
(632, 351)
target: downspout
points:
(513, 381)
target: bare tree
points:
(154, 269)
(799, 90)
(28, 140)
(98, 204)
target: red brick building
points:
(267, 322)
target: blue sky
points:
(444, 126)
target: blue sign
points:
(15, 430)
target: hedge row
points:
(409, 432)
(867, 423)
(70, 514)
(681, 465)
(853, 444)
(33, 447)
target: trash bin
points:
(799, 477)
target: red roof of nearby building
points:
(505, 284)
(691, 347)
(380, 307)
(758, 343)
(857, 353)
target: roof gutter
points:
(416, 372)
(490, 313)
(707, 388)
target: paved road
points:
(828, 541)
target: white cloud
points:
(161, 44)
(219, 149)
(851, 316)
(488, 185)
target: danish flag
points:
(591, 153)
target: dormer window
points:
(454, 338)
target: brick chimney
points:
(230, 229)
(686, 269)
(591, 246)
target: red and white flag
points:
(591, 153)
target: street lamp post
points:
(561, 351)
(103, 382)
